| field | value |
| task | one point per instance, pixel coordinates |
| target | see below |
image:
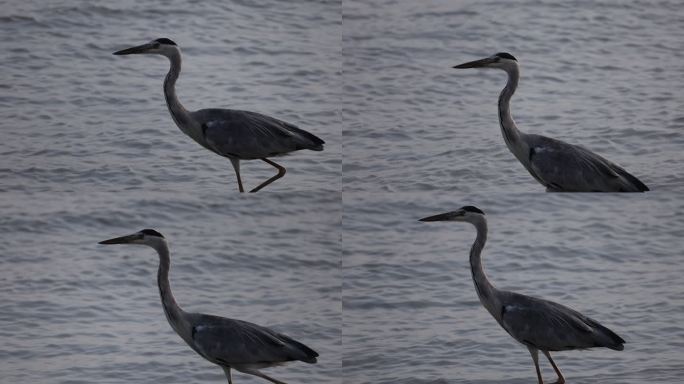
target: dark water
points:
(333, 254)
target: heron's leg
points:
(226, 370)
(236, 167)
(561, 379)
(535, 357)
(257, 373)
(281, 173)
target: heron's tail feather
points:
(635, 183)
(605, 337)
(303, 353)
(311, 142)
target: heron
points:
(235, 134)
(540, 325)
(229, 343)
(557, 165)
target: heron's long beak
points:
(122, 239)
(443, 216)
(477, 63)
(133, 50)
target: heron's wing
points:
(553, 327)
(250, 135)
(240, 342)
(565, 167)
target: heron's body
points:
(229, 343)
(539, 324)
(235, 134)
(248, 135)
(563, 167)
(559, 166)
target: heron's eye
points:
(155, 46)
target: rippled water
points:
(603, 75)
(411, 313)
(89, 152)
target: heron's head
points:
(501, 60)
(467, 213)
(163, 46)
(148, 237)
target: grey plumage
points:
(250, 135)
(563, 167)
(539, 324)
(559, 166)
(235, 134)
(229, 343)
(249, 343)
(550, 326)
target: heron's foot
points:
(559, 381)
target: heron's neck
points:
(485, 289)
(509, 130)
(174, 314)
(179, 114)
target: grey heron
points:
(229, 343)
(539, 324)
(235, 134)
(559, 166)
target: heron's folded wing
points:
(547, 326)
(250, 135)
(568, 167)
(241, 342)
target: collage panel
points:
(85, 119)
(412, 314)
(594, 75)
(78, 311)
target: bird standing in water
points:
(228, 343)
(538, 324)
(237, 135)
(559, 166)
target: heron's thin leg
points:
(561, 379)
(227, 372)
(535, 357)
(263, 376)
(236, 167)
(281, 173)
